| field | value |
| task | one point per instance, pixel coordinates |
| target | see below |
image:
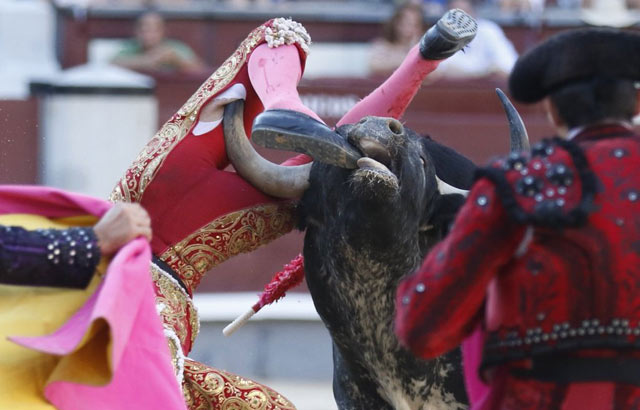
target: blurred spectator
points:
(117, 3)
(400, 33)
(519, 6)
(150, 50)
(610, 13)
(248, 3)
(489, 54)
(432, 7)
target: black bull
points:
(366, 228)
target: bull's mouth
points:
(376, 151)
(373, 167)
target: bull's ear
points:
(451, 167)
(443, 215)
(454, 169)
(445, 211)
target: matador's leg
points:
(450, 34)
(207, 388)
(274, 74)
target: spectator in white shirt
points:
(489, 54)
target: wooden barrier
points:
(18, 141)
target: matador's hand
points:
(121, 224)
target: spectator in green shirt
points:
(150, 50)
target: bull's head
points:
(396, 190)
(376, 162)
(389, 150)
(289, 182)
(382, 150)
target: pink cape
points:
(477, 390)
(143, 376)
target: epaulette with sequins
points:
(551, 186)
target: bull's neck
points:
(382, 226)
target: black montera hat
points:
(572, 56)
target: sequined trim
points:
(176, 308)
(617, 333)
(206, 388)
(177, 357)
(231, 234)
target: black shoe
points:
(451, 33)
(294, 131)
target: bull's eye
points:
(422, 161)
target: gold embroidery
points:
(207, 389)
(116, 195)
(231, 234)
(132, 185)
(177, 310)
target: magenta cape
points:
(142, 373)
(477, 390)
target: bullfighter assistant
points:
(544, 254)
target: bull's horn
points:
(517, 130)
(272, 179)
(446, 189)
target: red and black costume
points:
(544, 258)
(545, 255)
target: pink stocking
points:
(274, 75)
(394, 95)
